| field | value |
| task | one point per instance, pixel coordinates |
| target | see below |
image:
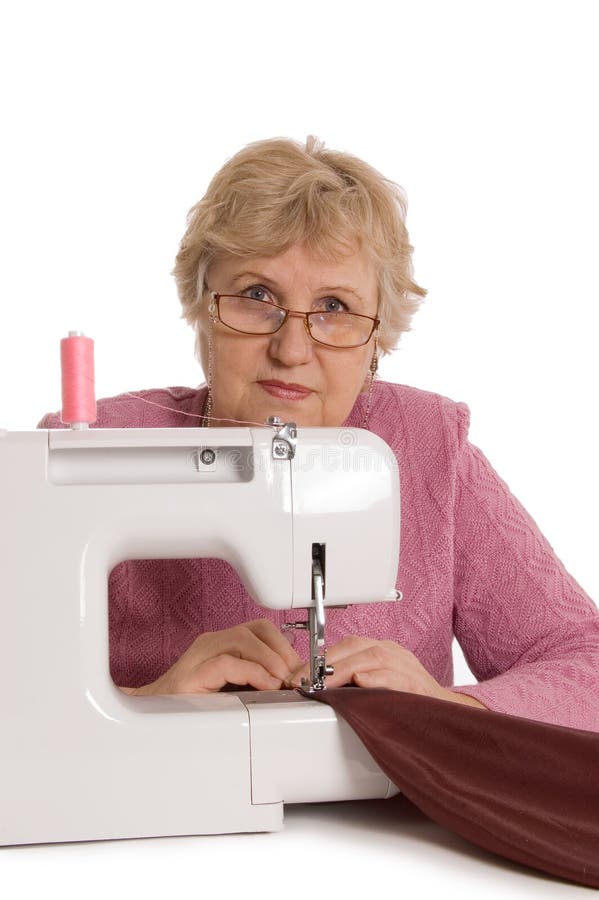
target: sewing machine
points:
(309, 519)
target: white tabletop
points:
(361, 849)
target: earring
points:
(374, 364)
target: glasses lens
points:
(340, 329)
(250, 316)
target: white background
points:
(116, 114)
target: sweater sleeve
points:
(529, 633)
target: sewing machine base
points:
(227, 762)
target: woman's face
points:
(287, 374)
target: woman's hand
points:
(366, 662)
(255, 654)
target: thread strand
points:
(193, 415)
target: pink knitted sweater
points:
(472, 563)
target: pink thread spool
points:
(78, 393)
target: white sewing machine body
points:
(81, 760)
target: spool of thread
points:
(78, 389)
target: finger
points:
(214, 674)
(353, 644)
(243, 642)
(377, 656)
(272, 636)
(381, 678)
(294, 679)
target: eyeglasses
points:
(333, 329)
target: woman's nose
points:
(291, 344)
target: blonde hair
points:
(277, 193)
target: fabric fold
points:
(522, 789)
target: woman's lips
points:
(285, 391)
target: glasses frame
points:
(216, 297)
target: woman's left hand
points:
(366, 662)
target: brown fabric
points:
(525, 790)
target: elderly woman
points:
(295, 272)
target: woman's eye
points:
(256, 293)
(333, 304)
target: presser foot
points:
(319, 669)
(315, 625)
(321, 672)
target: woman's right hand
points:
(254, 653)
